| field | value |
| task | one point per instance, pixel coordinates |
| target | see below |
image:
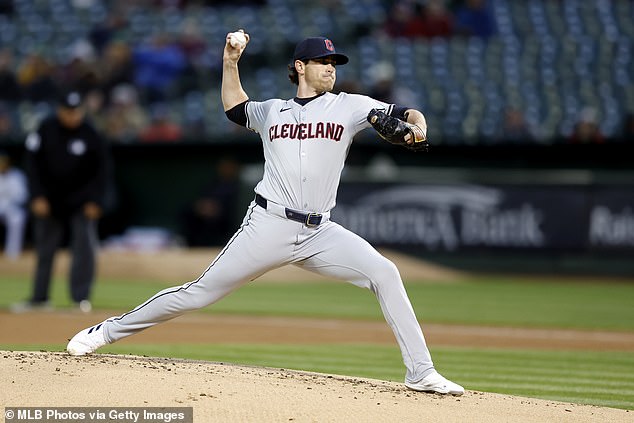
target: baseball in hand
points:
(237, 39)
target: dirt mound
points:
(226, 392)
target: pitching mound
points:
(220, 392)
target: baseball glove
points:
(394, 131)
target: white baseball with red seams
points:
(237, 39)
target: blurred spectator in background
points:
(9, 125)
(105, 32)
(208, 221)
(382, 84)
(67, 164)
(437, 20)
(80, 69)
(514, 128)
(178, 63)
(385, 87)
(162, 127)
(474, 18)
(410, 18)
(35, 76)
(94, 105)
(404, 20)
(13, 196)
(9, 87)
(193, 45)
(158, 66)
(191, 40)
(116, 68)
(125, 118)
(586, 130)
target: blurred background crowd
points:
(483, 71)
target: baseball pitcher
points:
(306, 141)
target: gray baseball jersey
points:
(305, 147)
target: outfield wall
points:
(562, 207)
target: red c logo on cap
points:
(329, 45)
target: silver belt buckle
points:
(309, 215)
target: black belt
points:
(308, 219)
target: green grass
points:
(598, 378)
(496, 301)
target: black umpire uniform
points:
(67, 167)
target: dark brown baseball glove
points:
(395, 131)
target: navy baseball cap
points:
(316, 47)
(70, 99)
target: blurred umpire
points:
(67, 167)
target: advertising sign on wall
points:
(463, 217)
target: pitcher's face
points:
(321, 74)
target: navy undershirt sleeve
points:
(238, 114)
(399, 112)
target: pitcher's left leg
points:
(336, 252)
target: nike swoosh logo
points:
(283, 110)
